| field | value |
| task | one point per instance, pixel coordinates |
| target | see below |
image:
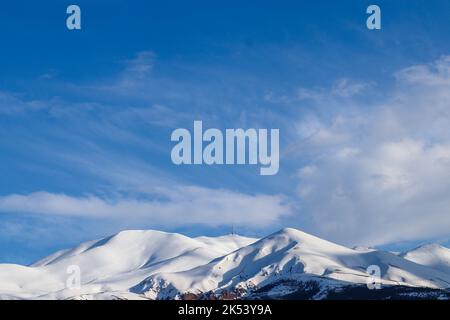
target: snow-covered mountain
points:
(113, 264)
(431, 255)
(286, 264)
(290, 256)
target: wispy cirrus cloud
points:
(141, 65)
(11, 104)
(113, 144)
(344, 88)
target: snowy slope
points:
(431, 255)
(114, 264)
(158, 265)
(289, 254)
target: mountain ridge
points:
(151, 264)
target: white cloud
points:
(141, 65)
(178, 206)
(344, 88)
(11, 104)
(341, 88)
(388, 177)
(347, 88)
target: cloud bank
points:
(382, 174)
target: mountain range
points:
(288, 264)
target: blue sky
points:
(86, 118)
